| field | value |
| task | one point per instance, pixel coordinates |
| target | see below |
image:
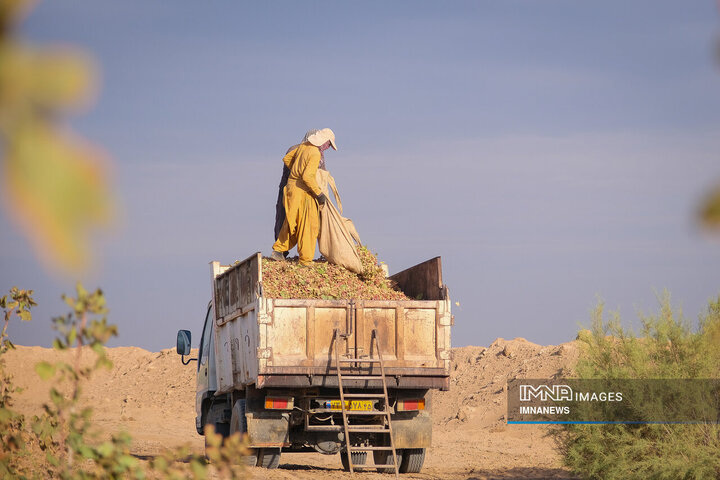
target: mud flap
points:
(268, 429)
(412, 429)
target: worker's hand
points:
(321, 199)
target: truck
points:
(316, 375)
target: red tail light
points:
(279, 403)
(410, 405)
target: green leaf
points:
(87, 452)
(81, 292)
(45, 370)
(127, 461)
(105, 449)
(199, 469)
(56, 397)
(5, 415)
(98, 348)
(161, 464)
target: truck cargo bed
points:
(274, 342)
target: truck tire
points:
(384, 457)
(221, 428)
(268, 457)
(358, 458)
(412, 460)
(238, 423)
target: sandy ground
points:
(151, 395)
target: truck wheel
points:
(358, 458)
(412, 460)
(384, 457)
(238, 423)
(268, 457)
(221, 428)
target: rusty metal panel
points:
(237, 286)
(382, 320)
(237, 351)
(423, 281)
(327, 319)
(420, 340)
(288, 336)
(223, 362)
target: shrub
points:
(13, 435)
(62, 442)
(667, 349)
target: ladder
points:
(384, 428)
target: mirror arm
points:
(182, 359)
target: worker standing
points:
(280, 204)
(302, 196)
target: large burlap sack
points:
(338, 236)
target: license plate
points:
(366, 405)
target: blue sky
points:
(551, 152)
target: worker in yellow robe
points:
(302, 195)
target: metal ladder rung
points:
(324, 428)
(368, 430)
(364, 395)
(367, 412)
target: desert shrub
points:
(13, 435)
(668, 348)
(62, 442)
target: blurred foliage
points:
(667, 349)
(54, 184)
(710, 207)
(61, 442)
(710, 210)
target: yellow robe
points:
(302, 223)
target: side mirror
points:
(183, 342)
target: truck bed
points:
(274, 342)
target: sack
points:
(337, 239)
(338, 236)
